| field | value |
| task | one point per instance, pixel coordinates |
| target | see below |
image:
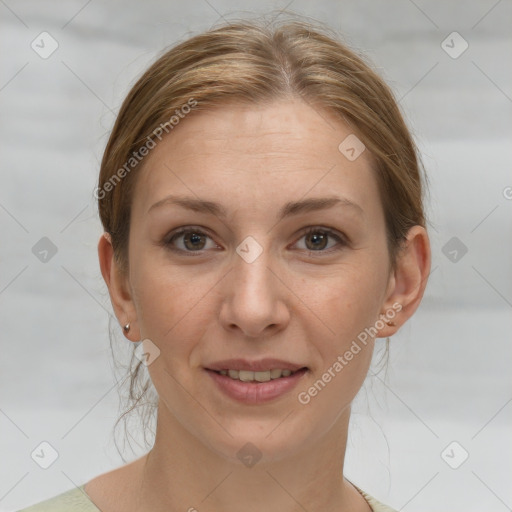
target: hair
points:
(255, 62)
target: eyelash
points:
(340, 239)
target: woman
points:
(262, 204)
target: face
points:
(287, 260)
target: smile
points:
(256, 387)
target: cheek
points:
(347, 300)
(163, 299)
(334, 389)
(174, 307)
(348, 308)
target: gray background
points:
(449, 376)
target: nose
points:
(254, 298)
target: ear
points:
(118, 288)
(408, 282)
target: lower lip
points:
(256, 392)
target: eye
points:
(317, 240)
(189, 240)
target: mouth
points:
(255, 382)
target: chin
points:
(259, 442)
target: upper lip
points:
(260, 365)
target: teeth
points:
(275, 374)
(249, 376)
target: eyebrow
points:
(289, 209)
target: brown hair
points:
(256, 62)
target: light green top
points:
(76, 500)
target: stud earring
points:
(126, 328)
(390, 323)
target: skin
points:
(290, 303)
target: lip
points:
(260, 365)
(253, 393)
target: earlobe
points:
(409, 280)
(118, 288)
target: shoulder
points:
(375, 505)
(75, 500)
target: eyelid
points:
(341, 238)
(331, 232)
(325, 229)
(166, 242)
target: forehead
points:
(255, 154)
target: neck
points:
(181, 473)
